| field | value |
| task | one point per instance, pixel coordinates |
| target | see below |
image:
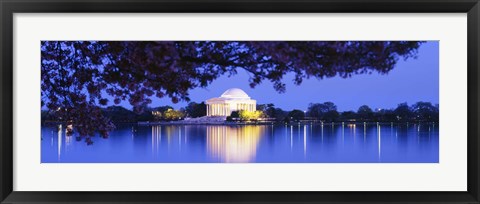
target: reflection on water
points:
(233, 144)
(59, 139)
(379, 142)
(315, 143)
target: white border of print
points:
(450, 174)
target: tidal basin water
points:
(310, 143)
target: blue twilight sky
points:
(410, 81)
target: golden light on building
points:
(233, 144)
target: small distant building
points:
(233, 99)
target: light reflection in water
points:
(249, 143)
(156, 139)
(68, 141)
(364, 132)
(304, 141)
(186, 135)
(352, 128)
(180, 138)
(59, 141)
(322, 132)
(51, 139)
(379, 141)
(232, 143)
(291, 137)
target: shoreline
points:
(281, 123)
(147, 123)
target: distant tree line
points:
(120, 114)
(325, 112)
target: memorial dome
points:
(235, 93)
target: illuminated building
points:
(233, 99)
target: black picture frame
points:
(10, 7)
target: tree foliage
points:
(171, 114)
(364, 112)
(119, 114)
(295, 115)
(195, 110)
(80, 77)
(403, 112)
(249, 115)
(326, 111)
(425, 111)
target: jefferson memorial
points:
(233, 99)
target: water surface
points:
(311, 143)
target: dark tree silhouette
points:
(119, 114)
(235, 114)
(77, 76)
(270, 110)
(296, 115)
(425, 111)
(267, 109)
(403, 112)
(348, 115)
(195, 110)
(365, 113)
(385, 115)
(324, 111)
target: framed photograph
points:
(239, 101)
